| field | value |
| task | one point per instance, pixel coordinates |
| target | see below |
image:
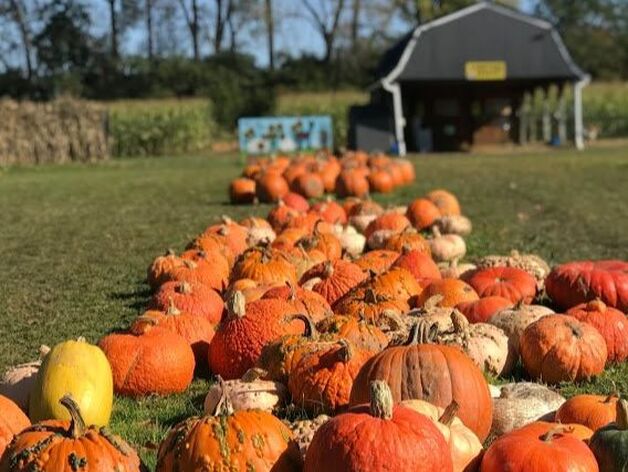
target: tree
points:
(270, 32)
(16, 11)
(325, 16)
(150, 39)
(355, 22)
(193, 22)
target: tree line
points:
(188, 47)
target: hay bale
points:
(64, 130)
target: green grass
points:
(75, 240)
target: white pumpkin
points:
(454, 224)
(455, 269)
(260, 235)
(351, 241)
(360, 222)
(531, 263)
(447, 247)
(304, 431)
(18, 381)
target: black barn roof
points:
(438, 51)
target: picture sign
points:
(485, 70)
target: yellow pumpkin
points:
(464, 444)
(77, 368)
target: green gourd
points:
(610, 443)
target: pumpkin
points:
(288, 238)
(366, 207)
(336, 278)
(330, 211)
(213, 243)
(233, 234)
(304, 301)
(310, 221)
(422, 213)
(453, 291)
(264, 265)
(18, 381)
(420, 265)
(198, 267)
(396, 282)
(365, 303)
(480, 311)
(539, 447)
(271, 187)
(322, 379)
(610, 443)
(250, 289)
(296, 201)
(329, 172)
(445, 201)
(579, 282)
(508, 282)
(531, 263)
(362, 439)
(281, 215)
(12, 421)
(229, 440)
(309, 185)
(358, 332)
(190, 297)
(246, 329)
(381, 181)
(522, 403)
(303, 260)
(80, 369)
(351, 241)
(255, 222)
(159, 269)
(69, 446)
(435, 373)
(407, 241)
(351, 184)
(454, 224)
(196, 330)
(349, 203)
(248, 393)
(447, 247)
(464, 445)
(259, 232)
(513, 321)
(304, 430)
(455, 270)
(559, 347)
(391, 222)
(326, 243)
(592, 411)
(377, 261)
(149, 359)
(407, 170)
(611, 323)
(242, 190)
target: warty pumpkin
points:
(190, 297)
(446, 247)
(354, 441)
(211, 270)
(359, 332)
(18, 381)
(454, 224)
(365, 303)
(336, 278)
(304, 301)
(157, 272)
(69, 446)
(12, 421)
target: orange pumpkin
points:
(453, 291)
(358, 332)
(189, 297)
(350, 183)
(326, 243)
(480, 311)
(592, 411)
(396, 282)
(12, 421)
(242, 190)
(159, 269)
(271, 187)
(392, 221)
(365, 303)
(309, 185)
(420, 265)
(508, 282)
(445, 201)
(281, 215)
(330, 211)
(210, 270)
(233, 235)
(381, 181)
(264, 265)
(296, 201)
(288, 238)
(377, 261)
(408, 241)
(305, 301)
(422, 213)
(336, 278)
(213, 243)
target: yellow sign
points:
(485, 70)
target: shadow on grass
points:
(136, 299)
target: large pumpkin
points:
(264, 265)
(149, 360)
(420, 265)
(559, 347)
(579, 282)
(69, 446)
(592, 411)
(435, 373)
(190, 297)
(539, 447)
(376, 437)
(77, 368)
(228, 440)
(611, 323)
(508, 282)
(271, 187)
(247, 328)
(12, 421)
(610, 443)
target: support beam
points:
(400, 121)
(560, 116)
(577, 112)
(546, 118)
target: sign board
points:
(485, 70)
(284, 134)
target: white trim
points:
(399, 119)
(577, 112)
(562, 49)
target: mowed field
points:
(75, 241)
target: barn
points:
(462, 80)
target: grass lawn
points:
(75, 241)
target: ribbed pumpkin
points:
(336, 278)
(271, 187)
(358, 332)
(242, 190)
(539, 447)
(377, 261)
(453, 291)
(592, 411)
(408, 241)
(422, 213)
(159, 269)
(196, 330)
(365, 303)
(246, 329)
(12, 421)
(391, 221)
(210, 270)
(420, 265)
(464, 445)
(480, 311)
(322, 379)
(508, 282)
(264, 265)
(234, 235)
(190, 297)
(445, 201)
(331, 211)
(149, 360)
(376, 437)
(435, 373)
(559, 347)
(69, 446)
(304, 301)
(213, 243)
(610, 443)
(244, 440)
(611, 323)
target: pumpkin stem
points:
(236, 305)
(436, 232)
(253, 374)
(381, 400)
(189, 264)
(422, 332)
(547, 437)
(433, 302)
(612, 396)
(328, 269)
(454, 264)
(224, 407)
(622, 414)
(77, 425)
(170, 252)
(514, 254)
(450, 413)
(519, 305)
(459, 321)
(43, 351)
(172, 309)
(370, 296)
(310, 329)
(184, 288)
(345, 353)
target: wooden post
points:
(522, 117)
(546, 118)
(561, 116)
(532, 120)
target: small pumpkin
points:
(508, 282)
(18, 381)
(365, 303)
(310, 185)
(281, 215)
(296, 201)
(232, 233)
(331, 211)
(77, 368)
(358, 332)
(531, 263)
(242, 190)
(422, 213)
(391, 221)
(445, 201)
(377, 261)
(351, 184)
(447, 247)
(264, 265)
(407, 241)
(210, 270)
(304, 301)
(353, 441)
(259, 233)
(69, 446)
(190, 297)
(592, 411)
(453, 291)
(559, 347)
(381, 181)
(271, 187)
(12, 421)
(229, 440)
(480, 311)
(326, 243)
(454, 224)
(159, 269)
(335, 278)
(610, 443)
(352, 242)
(420, 265)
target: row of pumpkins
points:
(354, 174)
(360, 324)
